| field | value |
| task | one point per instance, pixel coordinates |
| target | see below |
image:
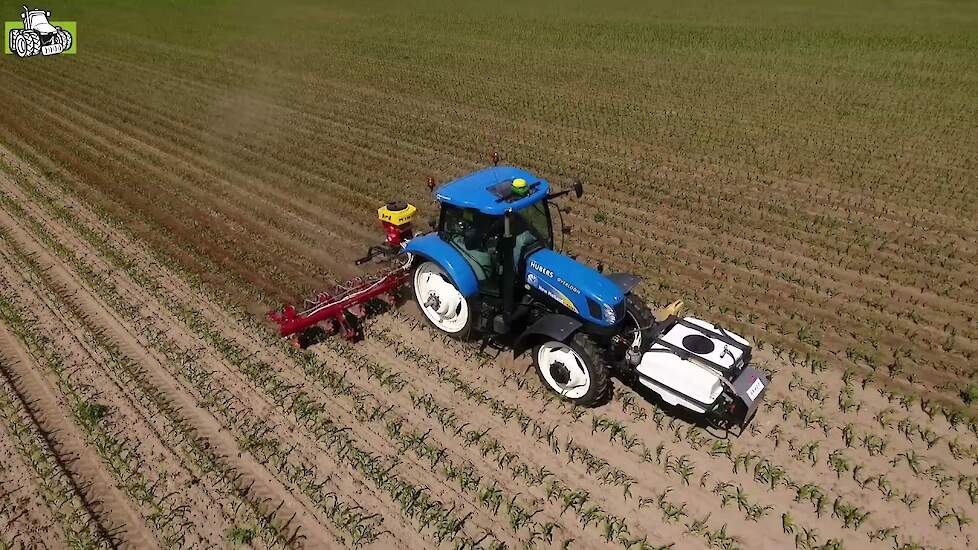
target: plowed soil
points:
(169, 184)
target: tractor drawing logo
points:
(38, 35)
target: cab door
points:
(476, 236)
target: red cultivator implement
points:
(341, 309)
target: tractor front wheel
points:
(64, 38)
(33, 43)
(573, 369)
(640, 321)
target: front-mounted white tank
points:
(694, 364)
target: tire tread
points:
(600, 388)
(33, 43)
(600, 378)
(643, 315)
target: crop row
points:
(765, 471)
(51, 481)
(120, 453)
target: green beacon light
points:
(519, 187)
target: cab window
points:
(475, 235)
(531, 230)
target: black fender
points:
(625, 281)
(555, 326)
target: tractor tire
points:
(19, 45)
(639, 314)
(573, 370)
(441, 303)
(12, 39)
(33, 43)
(63, 38)
(637, 331)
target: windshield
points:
(37, 18)
(536, 219)
(531, 228)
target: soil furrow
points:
(101, 496)
(24, 515)
(203, 424)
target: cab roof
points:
(490, 190)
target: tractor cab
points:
(495, 217)
(37, 20)
(493, 246)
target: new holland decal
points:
(547, 288)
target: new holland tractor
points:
(38, 36)
(489, 267)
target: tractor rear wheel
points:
(441, 302)
(19, 45)
(573, 369)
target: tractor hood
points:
(38, 21)
(583, 290)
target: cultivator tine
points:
(321, 298)
(346, 330)
(357, 311)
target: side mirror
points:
(578, 188)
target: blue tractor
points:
(489, 267)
